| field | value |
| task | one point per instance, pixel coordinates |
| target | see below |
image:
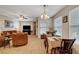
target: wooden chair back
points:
(66, 44)
(46, 43)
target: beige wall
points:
(3, 28)
(65, 30)
(65, 12)
(1, 24)
(18, 25)
(37, 26)
(49, 24)
(25, 23)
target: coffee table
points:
(7, 40)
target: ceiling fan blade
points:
(25, 18)
(22, 17)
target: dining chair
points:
(65, 47)
(46, 43)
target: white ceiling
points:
(31, 11)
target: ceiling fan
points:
(23, 17)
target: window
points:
(58, 26)
(43, 27)
(74, 24)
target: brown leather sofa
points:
(8, 32)
(19, 39)
(1, 41)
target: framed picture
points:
(9, 24)
(65, 19)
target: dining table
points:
(53, 42)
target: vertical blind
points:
(74, 25)
(43, 27)
(58, 25)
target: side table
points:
(6, 42)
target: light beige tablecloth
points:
(53, 42)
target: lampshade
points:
(44, 15)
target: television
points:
(27, 28)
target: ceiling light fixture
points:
(21, 17)
(44, 16)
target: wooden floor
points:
(34, 46)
